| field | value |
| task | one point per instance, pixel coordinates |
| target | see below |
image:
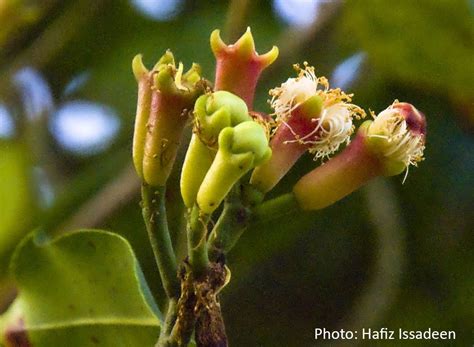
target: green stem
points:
(171, 316)
(154, 215)
(282, 205)
(197, 241)
(167, 327)
(231, 224)
(238, 216)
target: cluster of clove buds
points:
(230, 139)
(233, 145)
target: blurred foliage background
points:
(390, 255)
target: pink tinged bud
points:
(144, 80)
(397, 137)
(308, 119)
(338, 177)
(165, 99)
(239, 66)
(415, 119)
(168, 117)
(386, 146)
(286, 150)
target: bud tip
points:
(138, 68)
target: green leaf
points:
(81, 289)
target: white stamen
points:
(293, 92)
(334, 125)
(336, 128)
(401, 144)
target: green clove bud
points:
(213, 112)
(240, 149)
